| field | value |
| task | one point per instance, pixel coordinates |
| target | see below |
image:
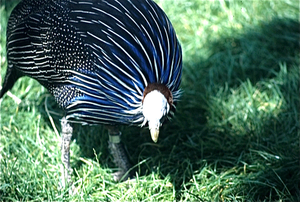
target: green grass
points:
(235, 136)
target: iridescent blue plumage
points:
(131, 51)
(95, 57)
(104, 61)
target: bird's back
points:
(95, 57)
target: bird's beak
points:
(154, 134)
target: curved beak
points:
(154, 134)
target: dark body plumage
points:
(96, 57)
(104, 61)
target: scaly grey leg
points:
(66, 136)
(119, 154)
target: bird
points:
(111, 62)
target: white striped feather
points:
(36, 63)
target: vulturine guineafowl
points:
(105, 62)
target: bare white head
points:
(155, 108)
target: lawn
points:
(235, 135)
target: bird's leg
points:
(66, 136)
(119, 154)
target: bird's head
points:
(156, 106)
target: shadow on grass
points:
(187, 144)
(254, 56)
